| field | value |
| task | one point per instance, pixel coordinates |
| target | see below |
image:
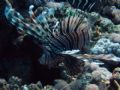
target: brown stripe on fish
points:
(56, 42)
(80, 38)
(73, 34)
(91, 5)
(65, 29)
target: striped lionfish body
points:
(74, 33)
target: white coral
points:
(105, 46)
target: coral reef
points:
(87, 82)
(50, 30)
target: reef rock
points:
(105, 46)
(113, 13)
(115, 37)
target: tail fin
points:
(73, 65)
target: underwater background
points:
(59, 45)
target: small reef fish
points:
(74, 33)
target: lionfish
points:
(93, 4)
(74, 33)
(90, 5)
